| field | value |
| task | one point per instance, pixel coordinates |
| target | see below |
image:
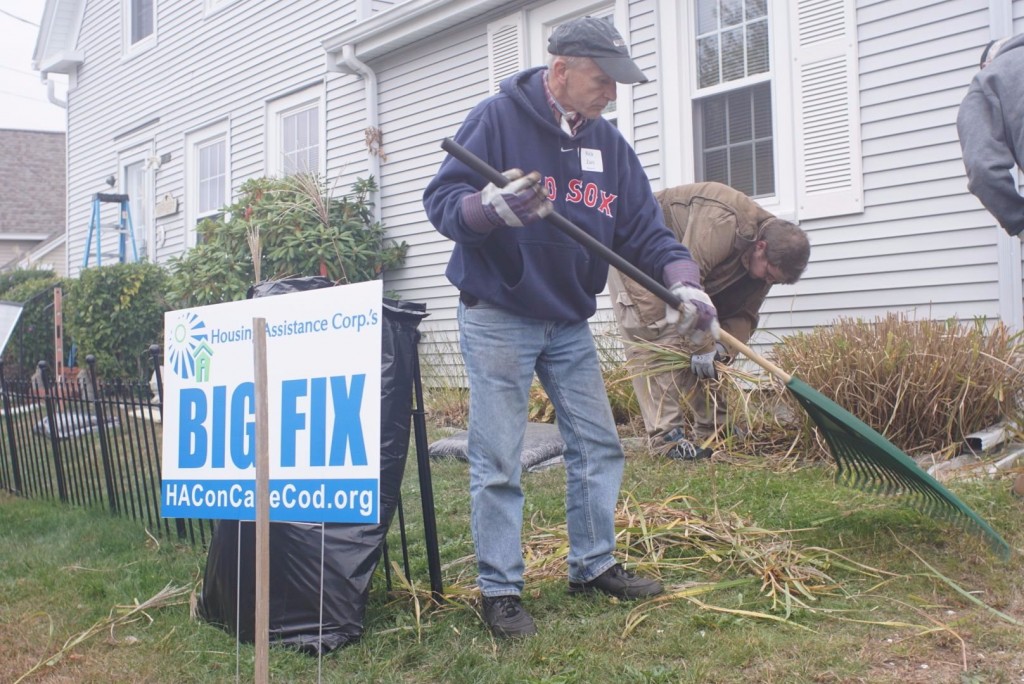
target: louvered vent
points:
(504, 40)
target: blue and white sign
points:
(324, 376)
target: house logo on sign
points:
(188, 349)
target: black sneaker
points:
(506, 617)
(684, 450)
(620, 583)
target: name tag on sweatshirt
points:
(590, 160)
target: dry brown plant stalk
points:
(119, 616)
(923, 384)
(676, 534)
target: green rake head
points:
(867, 461)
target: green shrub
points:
(924, 385)
(302, 230)
(12, 279)
(32, 338)
(115, 313)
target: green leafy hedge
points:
(302, 230)
(32, 338)
(115, 313)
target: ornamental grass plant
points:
(923, 384)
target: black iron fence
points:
(80, 440)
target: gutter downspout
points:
(44, 77)
(50, 95)
(348, 63)
(1008, 248)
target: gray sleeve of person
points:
(990, 125)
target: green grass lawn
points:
(876, 612)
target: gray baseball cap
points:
(597, 39)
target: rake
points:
(865, 460)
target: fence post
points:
(51, 419)
(101, 422)
(12, 443)
(419, 423)
(154, 353)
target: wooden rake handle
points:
(563, 224)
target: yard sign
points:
(323, 379)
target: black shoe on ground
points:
(683, 450)
(678, 448)
(506, 617)
(620, 583)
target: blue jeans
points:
(501, 351)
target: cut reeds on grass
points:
(676, 535)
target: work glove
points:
(698, 322)
(703, 365)
(519, 203)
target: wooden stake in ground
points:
(262, 626)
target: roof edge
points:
(406, 23)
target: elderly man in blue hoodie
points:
(991, 129)
(527, 290)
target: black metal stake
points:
(419, 422)
(101, 422)
(51, 418)
(11, 441)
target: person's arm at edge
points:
(988, 158)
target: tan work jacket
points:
(718, 225)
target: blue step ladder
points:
(123, 228)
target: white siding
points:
(646, 138)
(411, 84)
(203, 69)
(921, 245)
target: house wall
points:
(922, 246)
(11, 250)
(204, 69)
(53, 260)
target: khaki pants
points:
(661, 393)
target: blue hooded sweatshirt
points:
(593, 179)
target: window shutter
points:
(505, 48)
(828, 145)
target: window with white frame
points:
(733, 126)
(139, 19)
(208, 176)
(295, 133)
(769, 101)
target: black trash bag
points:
(350, 552)
(268, 288)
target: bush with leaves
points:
(32, 338)
(298, 228)
(115, 313)
(12, 279)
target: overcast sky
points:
(23, 102)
